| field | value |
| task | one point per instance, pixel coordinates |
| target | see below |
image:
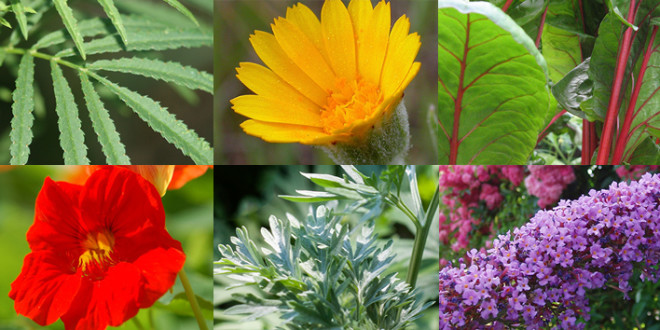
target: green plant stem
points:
(193, 300)
(420, 240)
(34, 53)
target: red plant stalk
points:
(612, 109)
(538, 36)
(545, 132)
(586, 142)
(625, 134)
(506, 5)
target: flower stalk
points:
(190, 294)
(420, 240)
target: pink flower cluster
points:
(465, 187)
(634, 172)
(548, 182)
(539, 274)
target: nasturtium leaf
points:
(491, 104)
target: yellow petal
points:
(373, 45)
(339, 39)
(414, 69)
(303, 52)
(398, 62)
(274, 110)
(264, 82)
(360, 11)
(303, 17)
(398, 34)
(284, 133)
(274, 57)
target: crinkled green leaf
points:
(647, 153)
(72, 139)
(103, 126)
(167, 71)
(491, 104)
(163, 122)
(182, 9)
(113, 14)
(21, 123)
(574, 88)
(19, 11)
(147, 39)
(71, 24)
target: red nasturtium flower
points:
(100, 252)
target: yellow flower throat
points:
(350, 102)
(98, 248)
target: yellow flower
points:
(329, 81)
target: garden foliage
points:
(121, 42)
(598, 58)
(323, 272)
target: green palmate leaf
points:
(166, 71)
(574, 89)
(113, 14)
(108, 137)
(561, 48)
(491, 105)
(173, 130)
(71, 24)
(143, 39)
(19, 11)
(71, 136)
(182, 9)
(21, 123)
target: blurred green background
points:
(248, 195)
(188, 211)
(235, 21)
(143, 144)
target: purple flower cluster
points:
(537, 276)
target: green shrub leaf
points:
(21, 123)
(163, 122)
(72, 139)
(71, 24)
(166, 71)
(103, 126)
(178, 6)
(19, 11)
(113, 14)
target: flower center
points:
(349, 102)
(96, 257)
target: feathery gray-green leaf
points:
(182, 9)
(113, 14)
(113, 149)
(21, 123)
(152, 39)
(163, 122)
(71, 24)
(167, 71)
(19, 11)
(72, 139)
